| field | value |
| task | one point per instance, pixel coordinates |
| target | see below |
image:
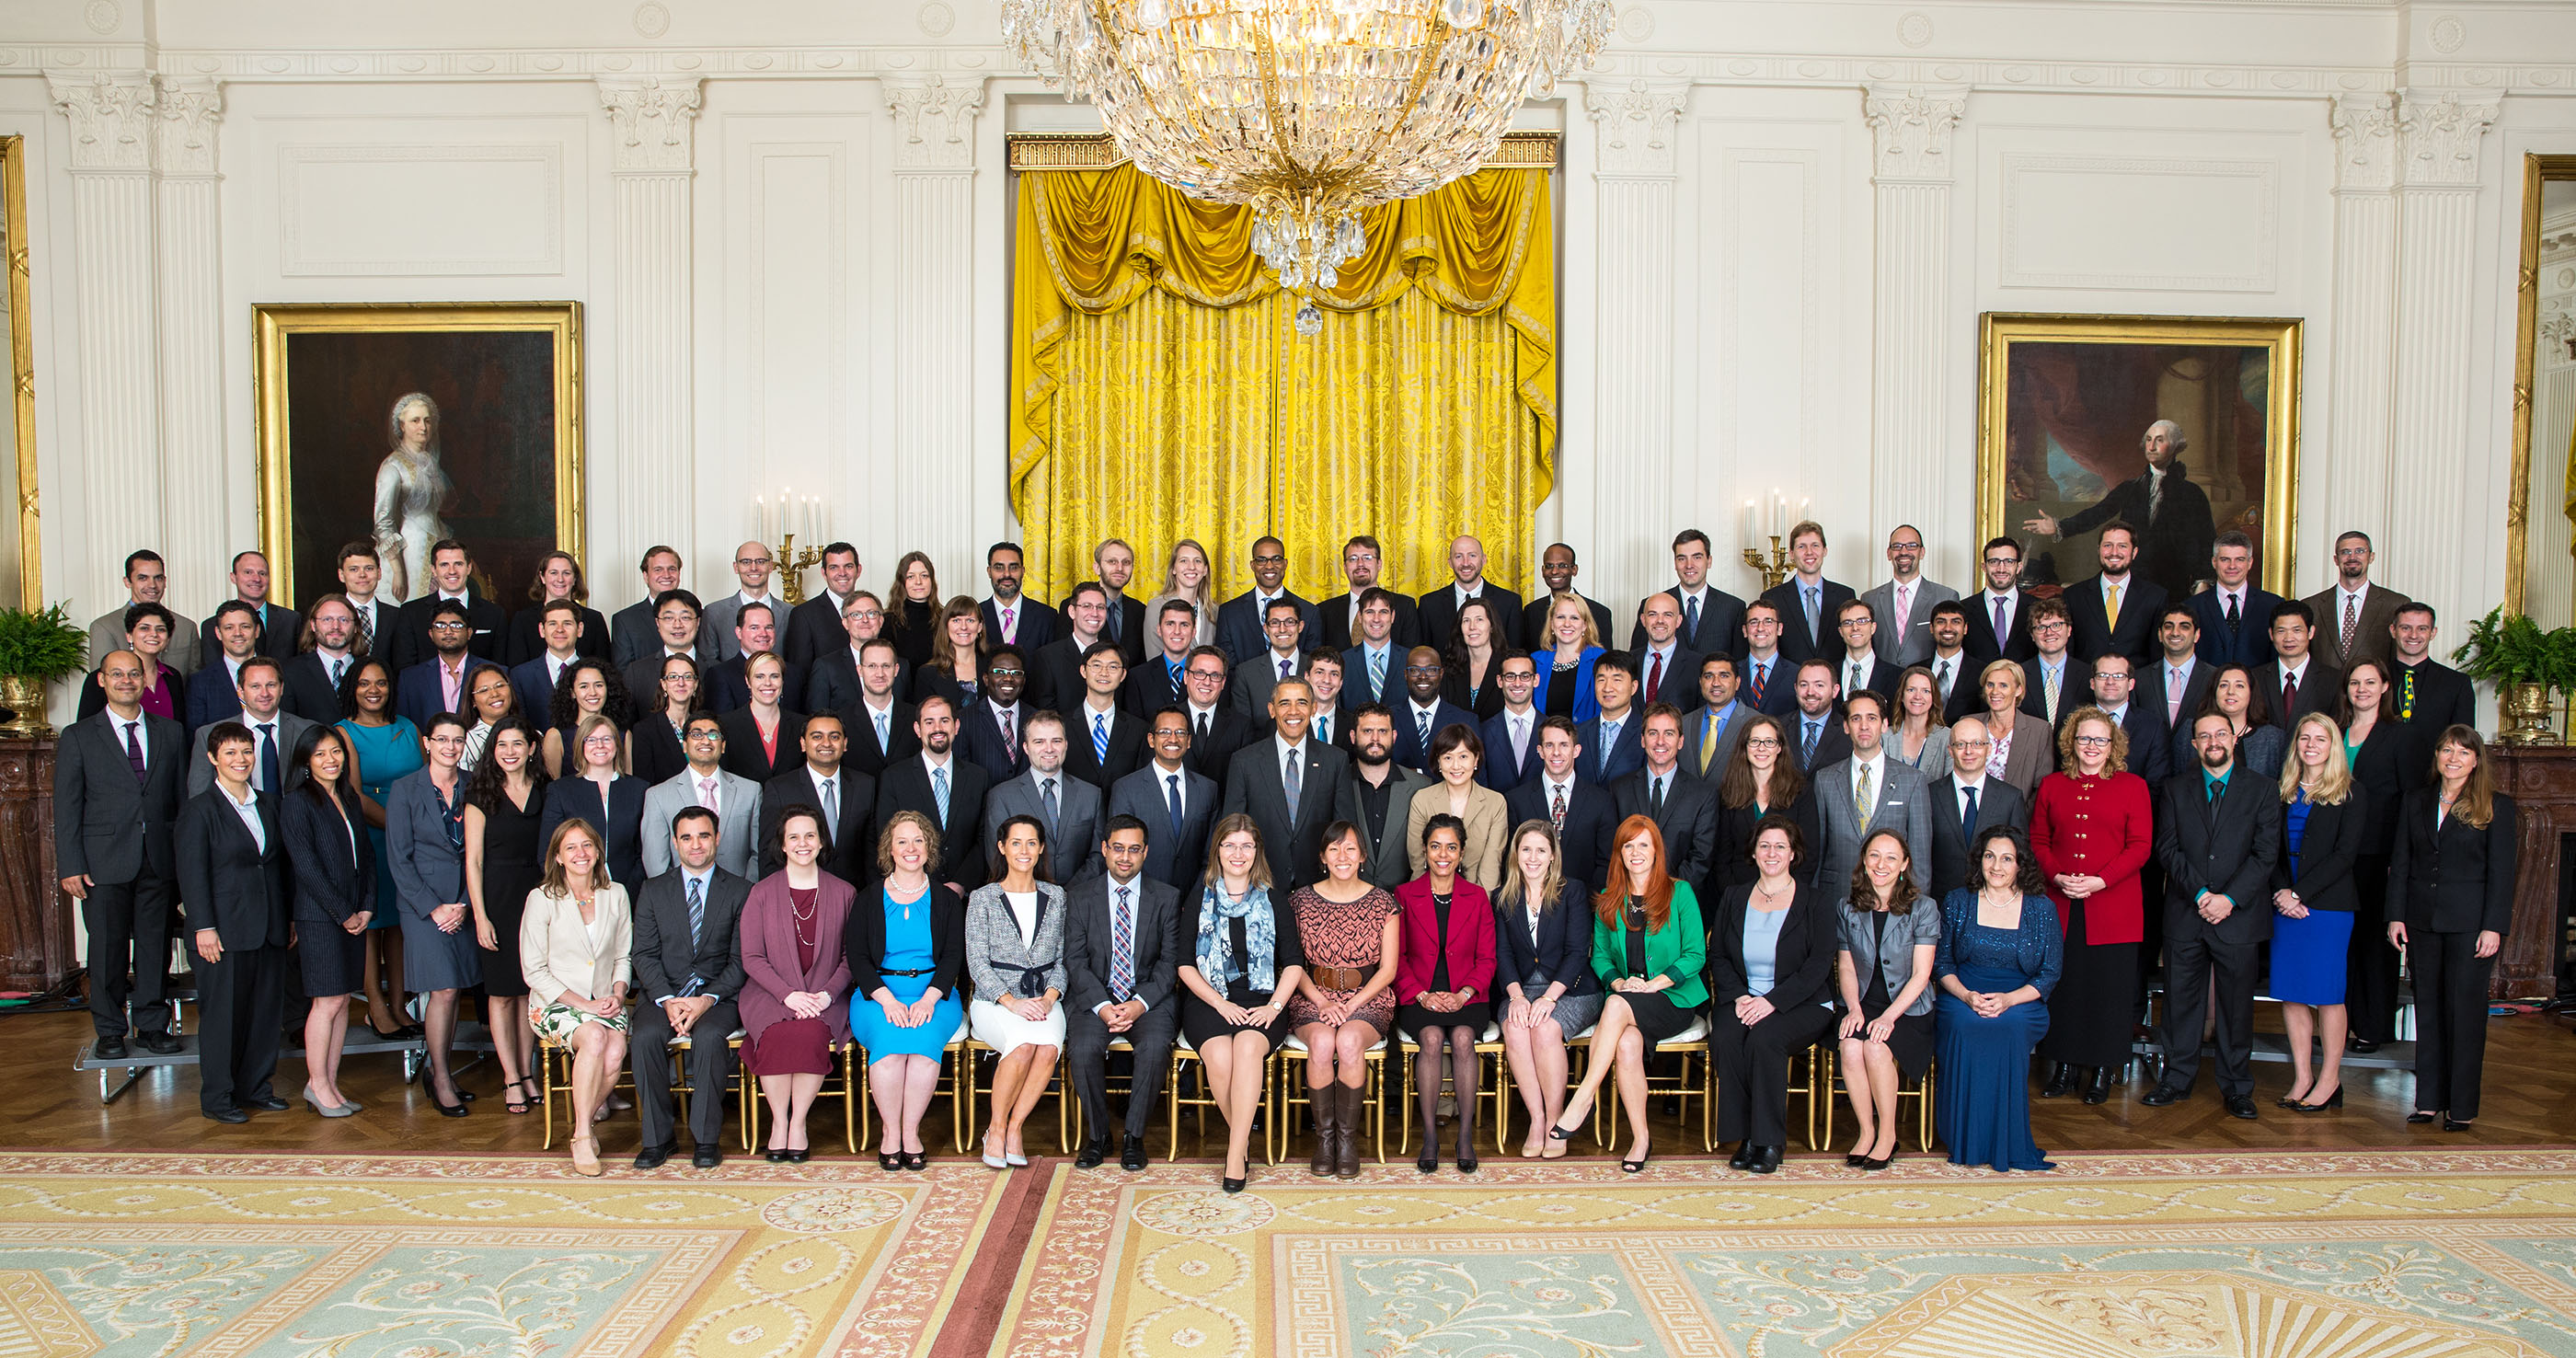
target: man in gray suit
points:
(1712, 730)
(274, 732)
(688, 972)
(1068, 807)
(1385, 791)
(1176, 803)
(116, 798)
(1868, 791)
(752, 564)
(1125, 938)
(734, 798)
(1965, 791)
(145, 583)
(1255, 676)
(1903, 606)
(1291, 786)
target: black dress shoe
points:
(2098, 1089)
(108, 1049)
(775, 1155)
(2164, 1096)
(1766, 1160)
(270, 1103)
(1429, 1161)
(2419, 1117)
(1093, 1152)
(2242, 1106)
(1743, 1157)
(1131, 1154)
(800, 1155)
(2061, 1081)
(1231, 1185)
(227, 1115)
(651, 1157)
(2451, 1124)
(706, 1157)
(2361, 1046)
(159, 1044)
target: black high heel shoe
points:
(915, 1161)
(1429, 1161)
(2420, 1116)
(2332, 1101)
(889, 1163)
(2451, 1124)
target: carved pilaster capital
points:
(653, 117)
(934, 120)
(1911, 127)
(184, 130)
(111, 118)
(2365, 133)
(1639, 122)
(2439, 136)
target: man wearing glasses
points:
(1216, 730)
(2053, 682)
(636, 629)
(1964, 801)
(2354, 613)
(437, 684)
(1903, 606)
(1424, 713)
(1243, 622)
(1998, 627)
(1256, 675)
(752, 565)
(996, 723)
(1361, 562)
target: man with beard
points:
(2217, 836)
(948, 790)
(1385, 790)
(1361, 561)
(2171, 513)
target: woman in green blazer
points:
(1649, 949)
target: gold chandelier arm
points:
(1440, 31)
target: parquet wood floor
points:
(2530, 1099)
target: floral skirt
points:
(557, 1022)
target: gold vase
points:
(2526, 715)
(24, 696)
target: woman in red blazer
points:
(2092, 828)
(796, 980)
(1444, 983)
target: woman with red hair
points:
(1648, 947)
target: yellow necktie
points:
(1707, 742)
(2112, 606)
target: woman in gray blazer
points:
(1015, 957)
(1889, 936)
(425, 838)
(2025, 749)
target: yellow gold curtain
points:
(1160, 390)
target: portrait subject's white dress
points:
(409, 493)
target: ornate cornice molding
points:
(185, 141)
(2439, 136)
(1638, 121)
(934, 117)
(653, 118)
(1912, 127)
(2365, 133)
(111, 119)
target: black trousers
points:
(2370, 984)
(2450, 1020)
(711, 1066)
(1753, 1068)
(129, 926)
(2190, 963)
(1086, 1047)
(240, 1002)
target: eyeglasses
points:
(1006, 671)
(1422, 669)
(2093, 740)
(1273, 559)
(447, 625)
(2003, 561)
(752, 561)
(1761, 743)
(1212, 676)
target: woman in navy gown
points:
(2001, 952)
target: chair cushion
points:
(1696, 1032)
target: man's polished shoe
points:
(2061, 1081)
(2164, 1095)
(1094, 1151)
(2242, 1106)
(159, 1044)
(1743, 1157)
(651, 1157)
(234, 1115)
(1765, 1160)
(270, 1103)
(108, 1049)
(1131, 1154)
(2098, 1089)
(707, 1156)
(2361, 1046)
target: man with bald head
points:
(1964, 800)
(1439, 608)
(118, 775)
(2176, 533)
(753, 565)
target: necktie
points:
(1690, 619)
(1708, 726)
(134, 751)
(1968, 817)
(2173, 695)
(2235, 612)
(2001, 626)
(1100, 737)
(1284, 667)
(1011, 623)
(1122, 948)
(2289, 693)
(1655, 803)
(1323, 728)
(338, 667)
(1943, 679)
(1377, 673)
(1556, 809)
(2111, 606)
(1203, 726)
(1861, 798)
(707, 793)
(1010, 733)
(697, 912)
(832, 803)
(1807, 748)
(2216, 788)
(1856, 683)
(2406, 698)
(2351, 625)
(1904, 594)
(2056, 683)
(1173, 782)
(268, 756)
(1422, 730)
(1046, 798)
(939, 793)
(367, 627)
(1761, 676)
(884, 739)
(1172, 673)
(1810, 592)
(1655, 676)
(1291, 776)
(1520, 743)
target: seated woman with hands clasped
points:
(2001, 953)
(1246, 962)
(1446, 979)
(906, 947)
(1015, 955)
(1543, 968)
(1890, 937)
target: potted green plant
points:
(36, 648)
(2525, 664)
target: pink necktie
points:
(707, 793)
(1903, 607)
(1010, 624)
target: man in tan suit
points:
(2353, 614)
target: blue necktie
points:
(1969, 821)
(1100, 738)
(1173, 781)
(697, 911)
(1807, 750)
(939, 791)
(267, 757)
(1690, 619)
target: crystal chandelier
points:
(1306, 110)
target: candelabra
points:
(1776, 568)
(794, 564)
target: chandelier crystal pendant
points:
(1306, 111)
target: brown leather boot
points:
(1346, 1151)
(1328, 1119)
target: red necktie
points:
(1655, 679)
(2289, 693)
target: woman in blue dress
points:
(2313, 898)
(2000, 955)
(906, 943)
(388, 750)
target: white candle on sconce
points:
(760, 517)
(1752, 523)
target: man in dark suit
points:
(1950, 799)
(2002, 599)
(2117, 609)
(1583, 811)
(117, 776)
(276, 627)
(1055, 669)
(535, 678)
(2431, 696)
(1373, 666)
(993, 730)
(1125, 938)
(1424, 714)
(232, 636)
(846, 797)
(1467, 569)
(1954, 668)
(2232, 612)
(1161, 679)
(1176, 802)
(1216, 730)
(1557, 570)
(1613, 743)
(947, 789)
(1289, 808)
(2355, 612)
(274, 732)
(233, 881)
(1857, 625)
(1123, 620)
(360, 570)
(1108, 741)
(2176, 681)
(677, 630)
(1340, 614)
(1683, 806)
(1243, 622)
(879, 726)
(1385, 790)
(1669, 670)
(1770, 677)
(2173, 513)
(329, 653)
(1069, 808)
(1816, 727)
(1010, 617)
(728, 681)
(1256, 674)
(817, 626)
(451, 569)
(1712, 730)
(437, 683)
(2217, 836)
(1511, 735)
(633, 632)
(832, 677)
(1711, 619)
(1809, 603)
(1323, 671)
(2150, 740)
(2299, 682)
(2054, 681)
(688, 974)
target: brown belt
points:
(1339, 978)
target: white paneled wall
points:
(1777, 227)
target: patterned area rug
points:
(131, 1255)
(2385, 1255)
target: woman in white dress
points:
(1188, 577)
(1015, 956)
(411, 487)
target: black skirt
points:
(1909, 1041)
(1658, 1018)
(1475, 1018)
(2091, 1013)
(332, 960)
(1201, 1023)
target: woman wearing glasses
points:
(2092, 830)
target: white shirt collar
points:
(1876, 764)
(1286, 749)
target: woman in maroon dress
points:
(796, 986)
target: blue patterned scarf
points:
(1260, 934)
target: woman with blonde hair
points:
(575, 934)
(1565, 657)
(1543, 971)
(1245, 961)
(411, 489)
(2314, 895)
(906, 945)
(2023, 753)
(1189, 577)
(2092, 829)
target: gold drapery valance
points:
(1455, 385)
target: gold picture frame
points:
(2064, 400)
(506, 381)
(22, 366)
(2538, 170)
